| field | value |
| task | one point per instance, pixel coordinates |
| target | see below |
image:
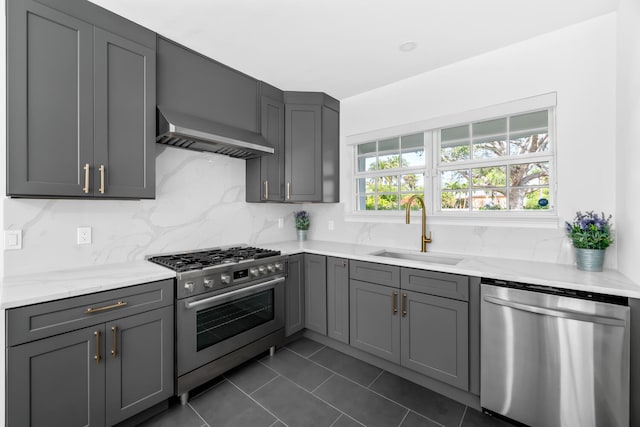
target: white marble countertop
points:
(609, 282)
(35, 288)
(23, 290)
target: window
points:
(490, 167)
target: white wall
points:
(628, 138)
(578, 62)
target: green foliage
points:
(590, 231)
(302, 220)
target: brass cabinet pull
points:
(108, 307)
(85, 189)
(404, 305)
(394, 302)
(288, 190)
(97, 357)
(114, 349)
(344, 263)
(101, 169)
(266, 189)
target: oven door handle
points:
(234, 293)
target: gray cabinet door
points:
(435, 337)
(315, 293)
(124, 107)
(338, 299)
(303, 153)
(139, 364)
(374, 319)
(294, 295)
(57, 381)
(50, 101)
(265, 175)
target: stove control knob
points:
(225, 278)
(253, 272)
(262, 270)
(279, 266)
(270, 268)
(208, 282)
(188, 286)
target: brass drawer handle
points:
(97, 357)
(404, 305)
(101, 169)
(114, 349)
(85, 189)
(394, 302)
(266, 190)
(108, 307)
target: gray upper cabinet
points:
(315, 293)
(265, 175)
(81, 102)
(196, 85)
(312, 147)
(338, 299)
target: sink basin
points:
(425, 257)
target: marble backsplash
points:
(200, 203)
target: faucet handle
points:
(428, 239)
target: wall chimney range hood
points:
(195, 133)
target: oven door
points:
(209, 327)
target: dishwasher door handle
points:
(565, 314)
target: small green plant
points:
(590, 231)
(302, 220)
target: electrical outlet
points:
(280, 222)
(330, 225)
(84, 235)
(12, 239)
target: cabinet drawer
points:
(38, 321)
(382, 274)
(431, 282)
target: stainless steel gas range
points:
(229, 308)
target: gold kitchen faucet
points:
(424, 239)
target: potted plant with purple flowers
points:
(302, 224)
(591, 235)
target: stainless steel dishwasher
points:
(554, 357)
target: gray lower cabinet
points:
(93, 360)
(80, 103)
(315, 293)
(338, 299)
(401, 315)
(375, 321)
(435, 337)
(294, 295)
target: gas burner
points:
(199, 260)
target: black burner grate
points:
(198, 260)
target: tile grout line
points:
(321, 384)
(197, 413)
(358, 384)
(376, 378)
(315, 352)
(258, 403)
(463, 415)
(405, 417)
(263, 385)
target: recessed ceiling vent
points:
(195, 133)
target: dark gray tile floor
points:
(307, 384)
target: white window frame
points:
(431, 128)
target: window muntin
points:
(502, 164)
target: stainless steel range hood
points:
(195, 133)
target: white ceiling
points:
(346, 47)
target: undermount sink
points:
(425, 257)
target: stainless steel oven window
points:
(224, 321)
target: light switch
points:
(12, 239)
